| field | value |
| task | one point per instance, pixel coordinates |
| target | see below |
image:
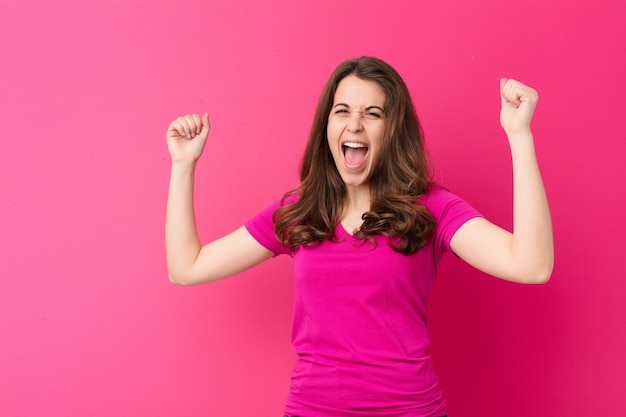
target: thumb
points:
(503, 82)
(205, 122)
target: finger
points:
(511, 92)
(186, 128)
(176, 128)
(193, 125)
(197, 123)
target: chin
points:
(352, 181)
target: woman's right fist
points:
(186, 137)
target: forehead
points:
(356, 92)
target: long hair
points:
(399, 178)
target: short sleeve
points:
(261, 227)
(450, 213)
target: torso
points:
(351, 224)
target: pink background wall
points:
(89, 324)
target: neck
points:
(358, 198)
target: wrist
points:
(521, 142)
(184, 165)
(519, 136)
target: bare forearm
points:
(527, 254)
(532, 244)
(181, 237)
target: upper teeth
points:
(354, 145)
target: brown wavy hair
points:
(400, 177)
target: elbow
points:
(535, 269)
(539, 275)
(179, 279)
(545, 273)
(529, 270)
(545, 276)
(541, 278)
(188, 278)
(176, 280)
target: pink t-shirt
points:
(360, 324)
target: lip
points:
(360, 142)
(343, 144)
(347, 165)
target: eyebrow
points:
(366, 109)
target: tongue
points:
(355, 156)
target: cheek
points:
(333, 133)
(331, 142)
(378, 139)
(331, 128)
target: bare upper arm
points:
(227, 256)
(486, 247)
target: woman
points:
(366, 229)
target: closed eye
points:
(371, 115)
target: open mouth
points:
(354, 153)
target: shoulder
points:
(437, 198)
(262, 225)
(449, 210)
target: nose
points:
(354, 123)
